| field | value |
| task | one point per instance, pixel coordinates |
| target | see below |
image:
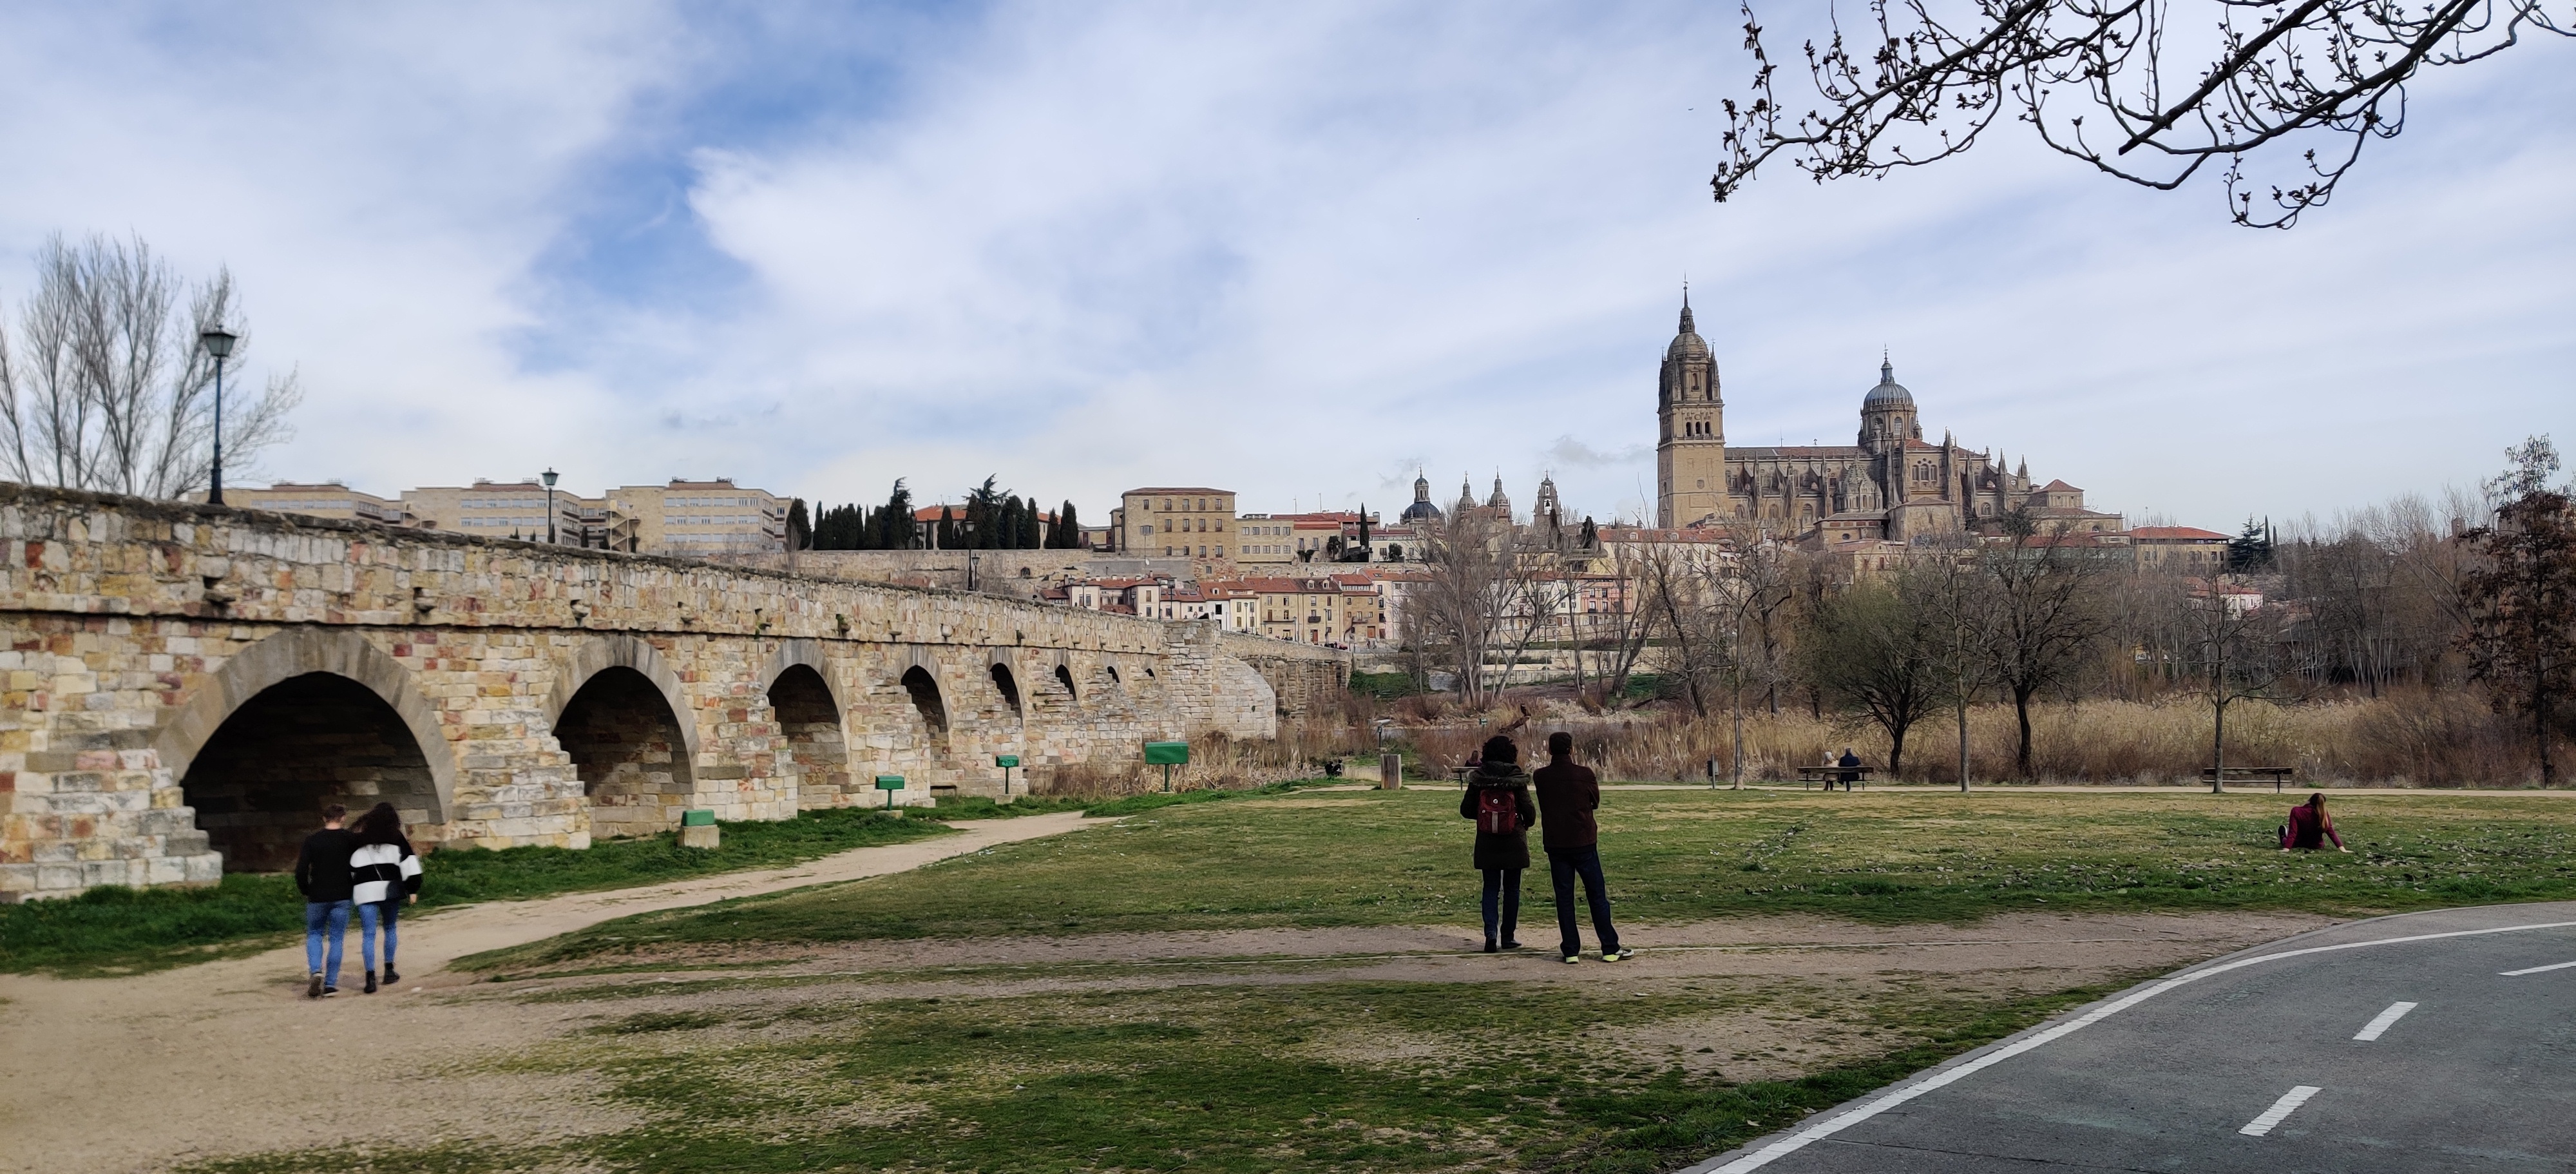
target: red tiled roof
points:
(2059, 487)
(1176, 489)
(2183, 533)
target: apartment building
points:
(328, 499)
(694, 519)
(2188, 549)
(1175, 522)
(496, 509)
(1318, 609)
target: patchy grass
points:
(124, 931)
(1317, 1077)
(1380, 858)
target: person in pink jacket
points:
(2310, 827)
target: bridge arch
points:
(811, 717)
(303, 717)
(618, 711)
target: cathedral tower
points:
(1690, 453)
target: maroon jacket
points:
(2305, 827)
(1567, 796)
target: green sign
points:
(1167, 754)
(697, 819)
(1006, 761)
(889, 784)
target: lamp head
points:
(550, 478)
(218, 341)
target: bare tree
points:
(2235, 646)
(2319, 77)
(1463, 610)
(2522, 636)
(1961, 595)
(2049, 615)
(1867, 649)
(1629, 623)
(106, 387)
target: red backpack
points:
(1497, 813)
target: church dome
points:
(1889, 393)
(1687, 344)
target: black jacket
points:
(1508, 849)
(322, 869)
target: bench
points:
(1848, 776)
(2251, 774)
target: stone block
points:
(701, 836)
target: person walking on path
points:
(1498, 799)
(322, 875)
(1568, 794)
(385, 873)
(2310, 827)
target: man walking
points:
(1568, 794)
(322, 875)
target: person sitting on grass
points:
(2310, 827)
(1568, 794)
(386, 873)
(322, 875)
(1498, 799)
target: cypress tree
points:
(947, 538)
(1067, 533)
(1032, 525)
(800, 530)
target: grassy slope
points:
(1365, 858)
(109, 931)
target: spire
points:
(1687, 328)
(1886, 369)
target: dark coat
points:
(1568, 794)
(1508, 849)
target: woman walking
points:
(387, 875)
(1498, 799)
(2310, 827)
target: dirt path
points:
(137, 1073)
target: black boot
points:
(391, 977)
(370, 988)
(1489, 946)
(313, 989)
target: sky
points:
(1295, 251)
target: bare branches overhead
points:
(2149, 91)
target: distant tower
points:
(1466, 498)
(1421, 511)
(1499, 503)
(1547, 515)
(1690, 450)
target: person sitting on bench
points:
(1848, 762)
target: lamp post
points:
(219, 343)
(550, 506)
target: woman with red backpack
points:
(1498, 799)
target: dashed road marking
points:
(2386, 1020)
(2534, 969)
(2280, 1109)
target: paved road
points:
(2250, 1063)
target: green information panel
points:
(1167, 754)
(1006, 761)
(697, 819)
(889, 784)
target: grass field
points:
(1324, 1077)
(124, 931)
(1388, 858)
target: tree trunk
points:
(2021, 754)
(2218, 744)
(1895, 754)
(1739, 738)
(1963, 743)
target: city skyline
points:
(816, 253)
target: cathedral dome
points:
(1889, 393)
(1687, 344)
(1421, 510)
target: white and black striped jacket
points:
(379, 869)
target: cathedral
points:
(1889, 485)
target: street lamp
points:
(219, 343)
(550, 506)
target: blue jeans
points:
(1563, 865)
(385, 913)
(1503, 889)
(322, 917)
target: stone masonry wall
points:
(135, 632)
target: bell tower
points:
(1690, 447)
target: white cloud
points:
(1295, 251)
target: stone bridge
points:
(186, 685)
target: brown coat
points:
(1568, 795)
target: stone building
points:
(1888, 485)
(1175, 522)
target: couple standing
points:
(370, 871)
(1498, 799)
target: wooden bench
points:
(2279, 775)
(1848, 776)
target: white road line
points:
(1827, 1128)
(2534, 970)
(2280, 1109)
(2386, 1019)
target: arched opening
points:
(1113, 676)
(627, 746)
(811, 720)
(259, 784)
(925, 699)
(1064, 676)
(1009, 686)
